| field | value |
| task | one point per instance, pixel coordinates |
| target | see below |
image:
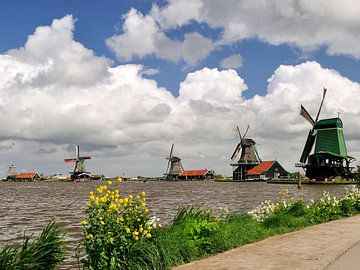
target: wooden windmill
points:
(249, 157)
(330, 158)
(174, 166)
(79, 170)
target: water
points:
(30, 206)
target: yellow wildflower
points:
(89, 236)
(84, 222)
(148, 235)
(142, 194)
(119, 179)
(127, 230)
(109, 183)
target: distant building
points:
(196, 175)
(31, 176)
(267, 170)
(12, 171)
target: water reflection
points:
(31, 205)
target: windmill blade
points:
(236, 152)
(171, 150)
(308, 146)
(77, 151)
(306, 115)
(170, 156)
(168, 165)
(322, 101)
(247, 129)
(239, 133)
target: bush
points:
(113, 226)
(43, 253)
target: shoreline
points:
(322, 246)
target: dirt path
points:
(315, 247)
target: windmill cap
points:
(329, 123)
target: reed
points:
(43, 253)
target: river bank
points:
(317, 247)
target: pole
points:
(299, 180)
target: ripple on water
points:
(30, 206)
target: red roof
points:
(26, 175)
(194, 173)
(262, 167)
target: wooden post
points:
(299, 180)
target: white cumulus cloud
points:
(142, 37)
(123, 119)
(305, 24)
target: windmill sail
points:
(322, 101)
(306, 115)
(308, 146)
(236, 152)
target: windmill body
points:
(249, 157)
(174, 167)
(329, 158)
(79, 171)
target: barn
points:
(267, 170)
(196, 175)
(31, 176)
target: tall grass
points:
(43, 253)
(193, 235)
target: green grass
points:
(43, 253)
(178, 244)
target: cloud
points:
(304, 24)
(233, 61)
(122, 119)
(143, 37)
(150, 71)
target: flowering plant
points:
(113, 225)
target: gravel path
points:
(331, 246)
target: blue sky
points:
(98, 20)
(126, 79)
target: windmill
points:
(79, 170)
(174, 166)
(330, 158)
(249, 157)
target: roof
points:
(29, 175)
(329, 123)
(262, 167)
(194, 173)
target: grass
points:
(196, 233)
(43, 253)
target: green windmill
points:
(330, 158)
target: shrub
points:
(113, 226)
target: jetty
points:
(332, 246)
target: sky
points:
(126, 79)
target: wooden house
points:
(31, 176)
(196, 175)
(267, 170)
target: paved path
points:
(332, 246)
